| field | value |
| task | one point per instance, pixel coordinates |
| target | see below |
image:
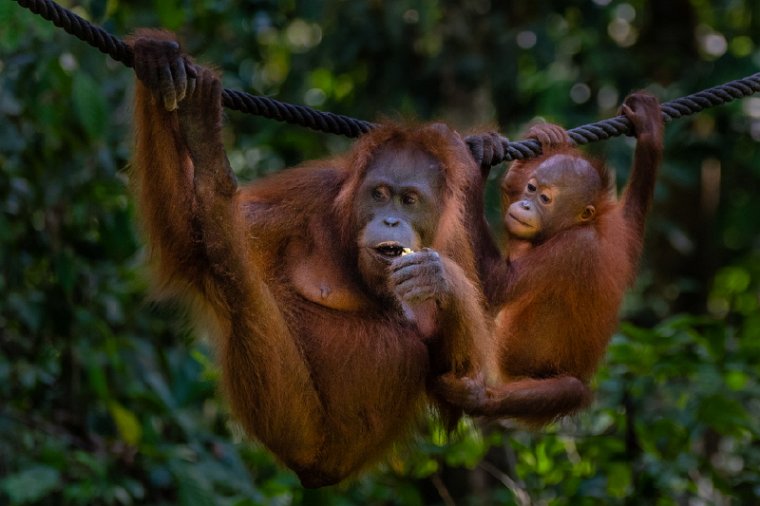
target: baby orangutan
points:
(572, 250)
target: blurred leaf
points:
(97, 378)
(127, 423)
(31, 484)
(194, 487)
(11, 33)
(619, 479)
(89, 105)
(725, 415)
(170, 13)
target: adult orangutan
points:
(326, 331)
(571, 252)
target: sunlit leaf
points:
(126, 422)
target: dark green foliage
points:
(107, 399)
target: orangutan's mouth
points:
(520, 221)
(390, 249)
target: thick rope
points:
(620, 125)
(351, 127)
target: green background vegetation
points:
(106, 399)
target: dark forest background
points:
(107, 399)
